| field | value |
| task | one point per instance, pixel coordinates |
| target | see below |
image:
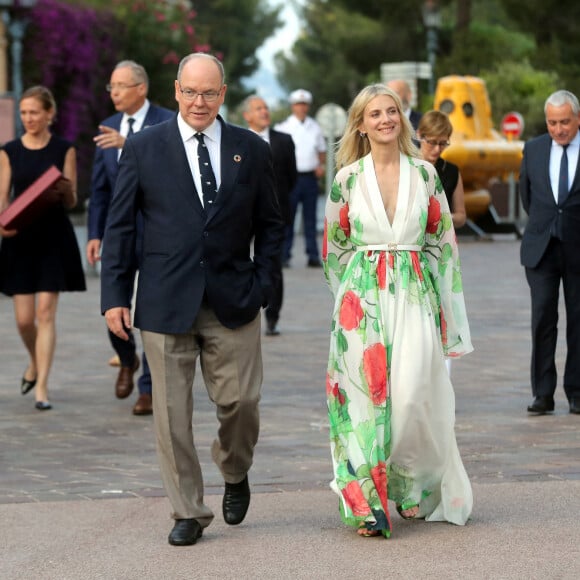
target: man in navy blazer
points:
(403, 89)
(257, 116)
(550, 194)
(205, 274)
(128, 88)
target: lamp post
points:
(15, 23)
(432, 22)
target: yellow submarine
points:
(480, 152)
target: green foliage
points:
(235, 30)
(157, 35)
(553, 25)
(482, 46)
(343, 44)
(519, 87)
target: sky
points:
(264, 79)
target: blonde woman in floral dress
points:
(391, 261)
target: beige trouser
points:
(231, 364)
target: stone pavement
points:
(55, 465)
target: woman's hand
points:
(7, 233)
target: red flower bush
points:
(355, 499)
(351, 312)
(375, 371)
(433, 215)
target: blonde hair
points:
(435, 123)
(352, 145)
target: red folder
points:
(32, 202)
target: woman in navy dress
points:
(43, 259)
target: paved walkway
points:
(55, 465)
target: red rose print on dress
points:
(417, 265)
(375, 370)
(351, 312)
(355, 499)
(433, 215)
(343, 220)
(325, 241)
(379, 476)
(333, 390)
(443, 323)
(382, 271)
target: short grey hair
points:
(562, 97)
(246, 102)
(196, 55)
(138, 71)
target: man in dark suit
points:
(257, 116)
(403, 89)
(207, 195)
(550, 193)
(128, 88)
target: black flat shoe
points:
(575, 406)
(185, 532)
(43, 405)
(236, 502)
(26, 386)
(542, 405)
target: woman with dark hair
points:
(43, 258)
(392, 264)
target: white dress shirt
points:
(212, 140)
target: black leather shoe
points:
(236, 502)
(575, 406)
(313, 263)
(185, 532)
(271, 329)
(542, 405)
(26, 386)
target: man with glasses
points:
(212, 234)
(128, 88)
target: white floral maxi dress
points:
(398, 312)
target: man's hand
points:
(118, 319)
(109, 138)
(93, 251)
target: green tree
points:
(344, 42)
(552, 23)
(519, 87)
(235, 30)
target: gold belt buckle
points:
(392, 247)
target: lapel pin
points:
(237, 158)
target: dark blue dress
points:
(43, 257)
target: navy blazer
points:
(414, 118)
(105, 169)
(544, 213)
(284, 160)
(189, 252)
